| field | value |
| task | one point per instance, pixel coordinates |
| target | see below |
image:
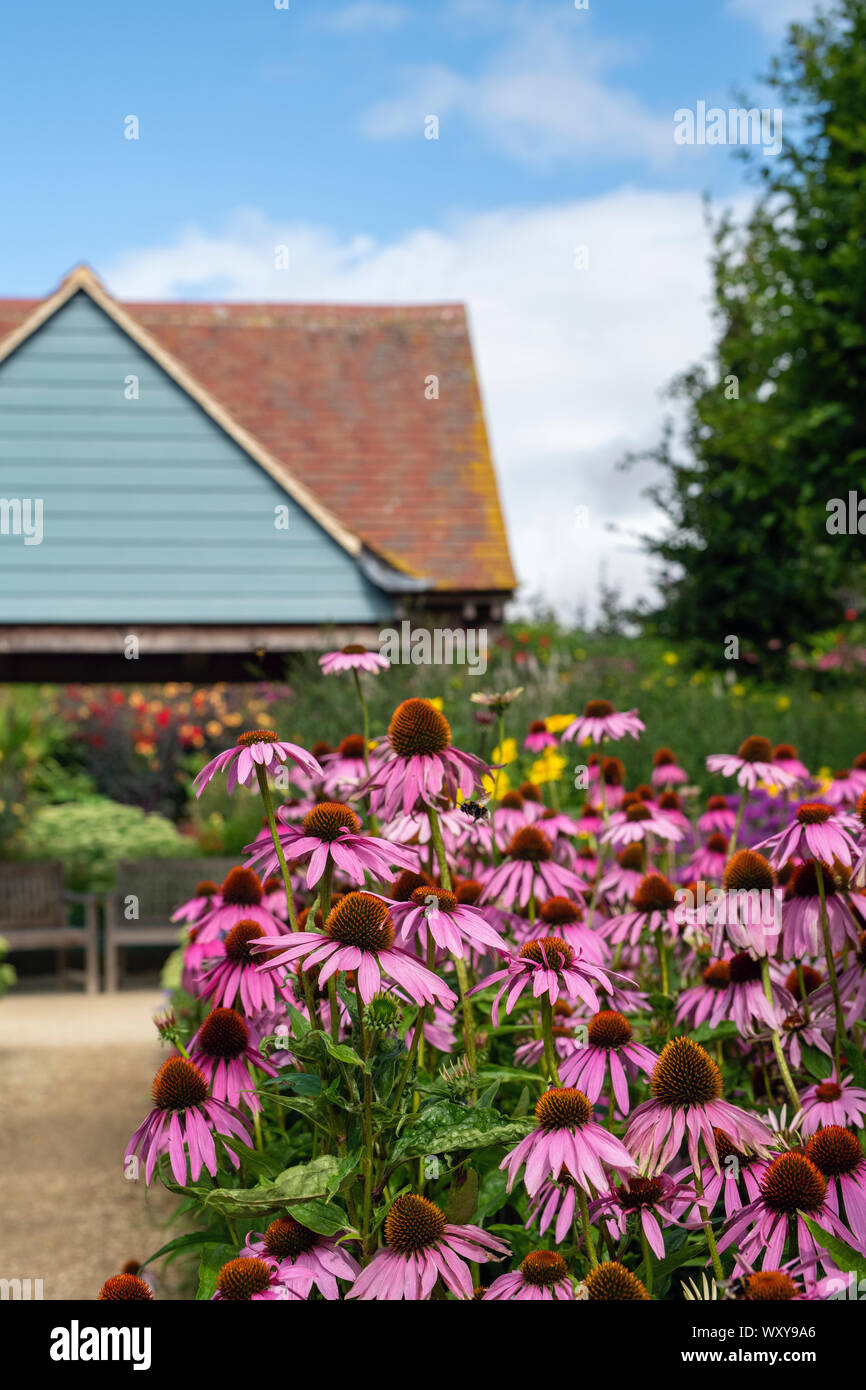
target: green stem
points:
(587, 1228)
(549, 1044)
(663, 958)
(459, 962)
(367, 1126)
(831, 972)
(269, 812)
(777, 1041)
(732, 843)
(705, 1218)
(365, 716)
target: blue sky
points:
(305, 127)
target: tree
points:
(776, 424)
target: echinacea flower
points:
(625, 875)
(234, 973)
(346, 767)
(687, 1104)
(645, 1199)
(358, 936)
(241, 899)
(801, 912)
(203, 901)
(738, 1174)
(785, 756)
(560, 917)
(567, 1137)
(815, 832)
(610, 1048)
(305, 1258)
(498, 701)
(528, 871)
(331, 832)
(250, 1280)
(123, 1288)
(709, 860)
(611, 1282)
(254, 749)
(421, 1247)
(843, 788)
(223, 1053)
(550, 967)
(792, 1188)
(666, 770)
(829, 1103)
(731, 989)
(654, 908)
(600, 721)
(539, 737)
(752, 763)
(637, 822)
(718, 817)
(745, 913)
(422, 765)
(542, 1277)
(182, 1122)
(836, 1153)
(353, 657)
(453, 925)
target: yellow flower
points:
(579, 654)
(738, 689)
(507, 753)
(555, 723)
(783, 702)
(493, 785)
(670, 659)
(435, 701)
(548, 767)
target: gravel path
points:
(75, 1076)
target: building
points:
(209, 481)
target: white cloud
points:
(366, 14)
(546, 93)
(571, 361)
(773, 16)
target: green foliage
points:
(89, 837)
(747, 505)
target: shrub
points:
(91, 836)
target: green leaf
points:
(444, 1126)
(689, 1255)
(323, 1217)
(816, 1062)
(186, 1242)
(213, 1257)
(463, 1197)
(304, 1183)
(341, 1052)
(839, 1251)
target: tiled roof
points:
(336, 393)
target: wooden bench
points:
(148, 891)
(34, 916)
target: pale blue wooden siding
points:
(152, 514)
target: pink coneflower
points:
(556, 824)
(224, 1054)
(346, 767)
(181, 1123)
(567, 1138)
(588, 821)
(235, 974)
(251, 1281)
(204, 900)
(530, 1052)
(608, 788)
(610, 1048)
(528, 871)
(423, 766)
(241, 899)
(304, 1257)
(792, 1187)
(126, 1287)
(331, 832)
(652, 1201)
(625, 875)
(719, 817)
(453, 925)
(815, 832)
(843, 788)
(709, 860)
(359, 936)
(421, 1248)
(752, 763)
(801, 912)
(666, 770)
(274, 896)
(510, 815)
(836, 1153)
(353, 658)
(687, 1104)
(654, 908)
(723, 1181)
(542, 1277)
(829, 1103)
(746, 913)
(600, 720)
(637, 822)
(852, 987)
(549, 966)
(731, 989)
(785, 757)
(257, 748)
(560, 917)
(538, 737)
